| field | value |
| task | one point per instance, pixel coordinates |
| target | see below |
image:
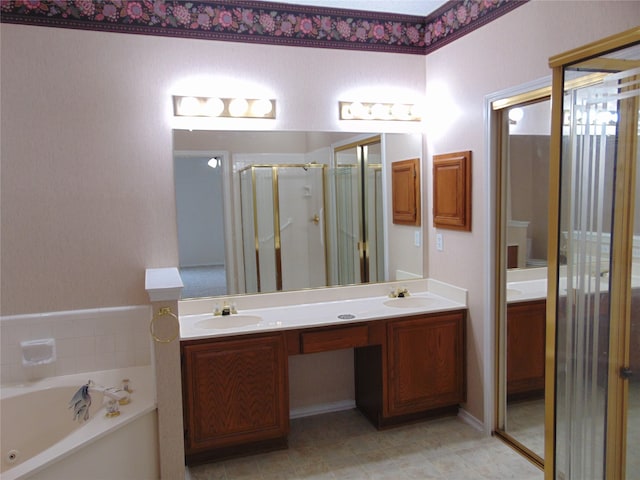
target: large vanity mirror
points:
(266, 211)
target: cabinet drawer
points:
(334, 339)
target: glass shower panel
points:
(633, 413)
(266, 235)
(583, 317)
(597, 113)
(374, 221)
(348, 208)
(301, 200)
(249, 246)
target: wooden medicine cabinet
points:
(405, 185)
(452, 191)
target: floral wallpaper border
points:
(263, 22)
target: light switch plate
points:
(439, 242)
(416, 238)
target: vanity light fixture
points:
(224, 107)
(405, 112)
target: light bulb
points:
(358, 110)
(416, 111)
(189, 106)
(380, 110)
(238, 107)
(400, 111)
(213, 107)
(516, 114)
(260, 108)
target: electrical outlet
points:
(439, 242)
(416, 238)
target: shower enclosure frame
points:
(276, 218)
(363, 165)
(589, 58)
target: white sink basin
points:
(228, 321)
(410, 302)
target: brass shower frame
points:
(363, 243)
(500, 107)
(276, 216)
(586, 58)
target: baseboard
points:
(322, 408)
(469, 419)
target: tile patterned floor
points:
(525, 423)
(344, 445)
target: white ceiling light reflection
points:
(516, 114)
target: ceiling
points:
(420, 8)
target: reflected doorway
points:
(524, 126)
(198, 180)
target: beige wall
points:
(87, 176)
(510, 51)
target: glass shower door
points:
(594, 284)
(359, 213)
(261, 242)
(302, 236)
(283, 226)
(348, 217)
(375, 221)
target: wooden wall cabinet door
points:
(526, 328)
(426, 363)
(405, 187)
(235, 393)
(452, 191)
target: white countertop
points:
(536, 289)
(428, 296)
(527, 290)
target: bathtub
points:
(40, 439)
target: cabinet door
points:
(452, 191)
(426, 363)
(235, 392)
(526, 325)
(405, 187)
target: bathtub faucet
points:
(119, 395)
(81, 400)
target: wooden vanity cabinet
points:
(426, 363)
(526, 329)
(235, 395)
(418, 372)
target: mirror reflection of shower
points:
(359, 235)
(312, 223)
(283, 224)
